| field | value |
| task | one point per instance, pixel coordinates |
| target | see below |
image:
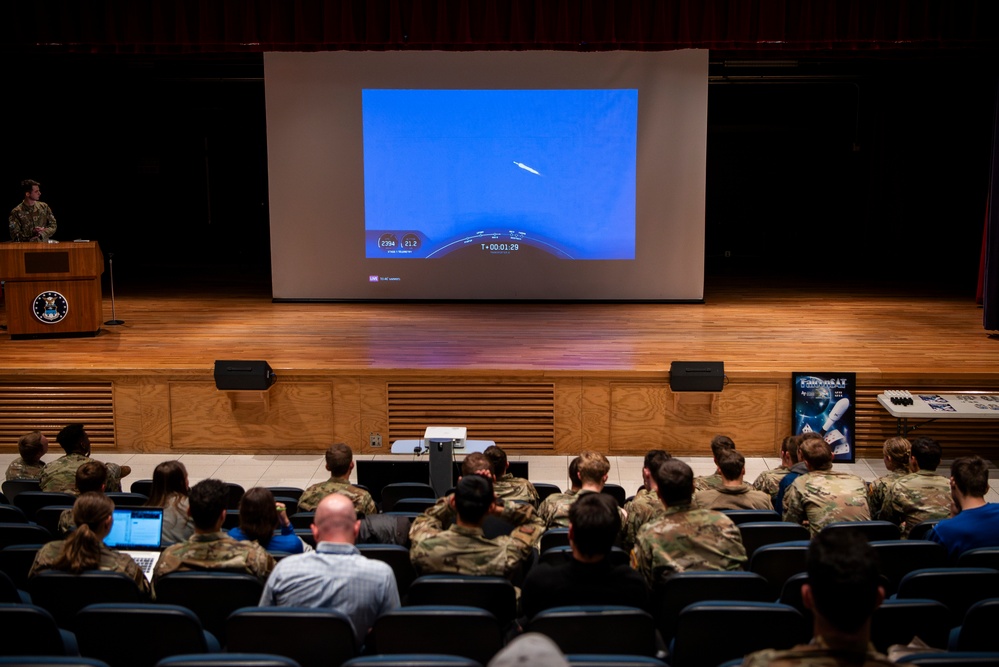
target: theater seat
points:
(227, 660)
(670, 596)
(311, 637)
(494, 594)
(956, 587)
(449, 630)
(597, 629)
(210, 595)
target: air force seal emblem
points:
(50, 307)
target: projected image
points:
(499, 172)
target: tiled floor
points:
(249, 470)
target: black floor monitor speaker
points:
(696, 375)
(243, 375)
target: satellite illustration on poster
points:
(825, 403)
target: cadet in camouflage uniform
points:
(719, 443)
(85, 550)
(31, 447)
(60, 475)
(645, 506)
(733, 494)
(556, 506)
(210, 548)
(91, 477)
(897, 452)
(921, 495)
(822, 495)
(842, 591)
(592, 468)
(31, 220)
(462, 548)
(685, 537)
(339, 461)
(506, 486)
(768, 481)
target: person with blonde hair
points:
(896, 451)
(170, 492)
(84, 550)
(31, 447)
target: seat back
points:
(228, 660)
(64, 594)
(12, 487)
(9, 593)
(897, 558)
(413, 504)
(617, 492)
(956, 587)
(740, 517)
(51, 661)
(872, 530)
(127, 499)
(23, 533)
(494, 594)
(234, 493)
(466, 631)
(545, 489)
(777, 562)
(30, 621)
(920, 530)
(597, 629)
(554, 537)
(671, 595)
(897, 621)
(978, 631)
(563, 554)
(48, 517)
(311, 637)
(756, 534)
(391, 493)
(980, 557)
(412, 660)
(29, 501)
(790, 594)
(16, 561)
(12, 514)
(138, 635)
(612, 660)
(286, 491)
(143, 486)
(212, 596)
(397, 557)
(951, 659)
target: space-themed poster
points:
(825, 403)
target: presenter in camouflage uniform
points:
(922, 495)
(31, 220)
(822, 495)
(60, 475)
(210, 548)
(897, 452)
(685, 537)
(645, 506)
(340, 462)
(31, 447)
(507, 486)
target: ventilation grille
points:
(49, 407)
(515, 416)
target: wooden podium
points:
(52, 289)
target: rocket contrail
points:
(526, 168)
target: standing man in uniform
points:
(32, 219)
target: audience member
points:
(768, 481)
(507, 486)
(335, 576)
(823, 495)
(921, 495)
(797, 469)
(842, 592)
(91, 477)
(84, 549)
(210, 548)
(645, 506)
(170, 492)
(265, 521)
(31, 447)
(463, 548)
(530, 648)
(60, 475)
(557, 503)
(593, 469)
(719, 443)
(340, 462)
(590, 577)
(975, 522)
(685, 537)
(897, 452)
(733, 494)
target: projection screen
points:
(532, 175)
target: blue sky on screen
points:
(557, 165)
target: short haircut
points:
(258, 515)
(675, 480)
(474, 462)
(790, 444)
(731, 464)
(817, 453)
(472, 497)
(971, 475)
(338, 458)
(843, 574)
(29, 446)
(898, 450)
(207, 500)
(927, 453)
(593, 467)
(654, 458)
(574, 472)
(27, 184)
(497, 459)
(91, 476)
(720, 443)
(595, 523)
(70, 437)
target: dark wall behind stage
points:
(857, 167)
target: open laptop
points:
(138, 531)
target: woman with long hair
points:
(84, 549)
(264, 521)
(170, 492)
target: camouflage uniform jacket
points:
(743, 497)
(708, 482)
(877, 491)
(822, 497)
(554, 509)
(214, 551)
(509, 487)
(66, 523)
(363, 503)
(816, 654)
(641, 509)
(60, 475)
(18, 469)
(441, 515)
(23, 220)
(768, 481)
(919, 496)
(110, 561)
(687, 538)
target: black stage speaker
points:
(243, 375)
(696, 375)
